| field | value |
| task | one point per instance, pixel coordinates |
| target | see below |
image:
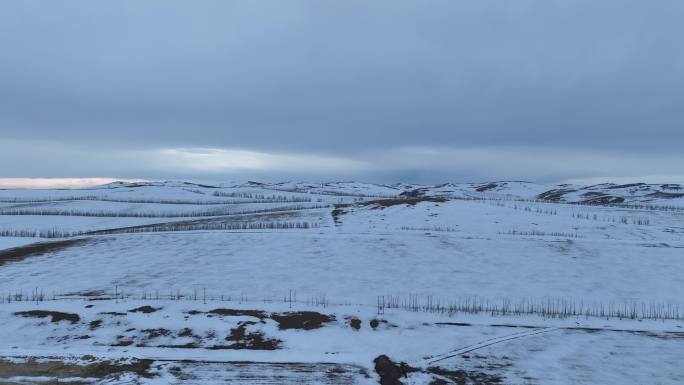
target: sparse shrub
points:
(221, 211)
(544, 307)
(433, 228)
(543, 234)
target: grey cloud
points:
(406, 164)
(345, 78)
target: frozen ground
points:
(474, 283)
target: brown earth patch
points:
(390, 373)
(419, 192)
(626, 185)
(594, 194)
(305, 320)
(604, 200)
(16, 254)
(113, 313)
(154, 333)
(189, 345)
(666, 195)
(56, 316)
(382, 203)
(339, 211)
(144, 309)
(486, 187)
(463, 377)
(554, 195)
(453, 323)
(251, 341)
(87, 293)
(238, 313)
(59, 369)
(218, 222)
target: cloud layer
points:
(407, 164)
(351, 88)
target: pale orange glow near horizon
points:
(40, 183)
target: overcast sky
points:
(453, 90)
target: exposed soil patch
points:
(463, 377)
(486, 187)
(123, 343)
(593, 194)
(253, 341)
(238, 313)
(419, 192)
(154, 333)
(269, 373)
(144, 309)
(626, 185)
(355, 323)
(189, 345)
(56, 316)
(339, 211)
(306, 320)
(554, 195)
(95, 324)
(113, 313)
(645, 333)
(604, 200)
(390, 373)
(87, 293)
(375, 323)
(16, 254)
(454, 323)
(238, 333)
(219, 222)
(666, 195)
(405, 201)
(59, 369)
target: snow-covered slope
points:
(602, 194)
(490, 282)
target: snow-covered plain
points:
(505, 282)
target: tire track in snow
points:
(482, 344)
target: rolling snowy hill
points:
(248, 282)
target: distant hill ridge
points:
(601, 194)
